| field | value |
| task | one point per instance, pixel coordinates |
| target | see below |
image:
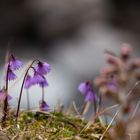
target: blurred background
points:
(71, 35)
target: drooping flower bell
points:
(43, 83)
(28, 82)
(43, 68)
(37, 78)
(83, 88)
(44, 106)
(91, 96)
(11, 75)
(87, 90)
(15, 63)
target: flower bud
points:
(125, 51)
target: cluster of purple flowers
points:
(86, 89)
(38, 78)
(40, 69)
(13, 65)
(39, 72)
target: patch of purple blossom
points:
(87, 90)
(44, 83)
(37, 78)
(12, 65)
(43, 68)
(39, 71)
(11, 75)
(28, 82)
(15, 63)
(44, 106)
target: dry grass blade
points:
(97, 115)
(105, 110)
(135, 85)
(72, 108)
(136, 108)
(75, 108)
(101, 138)
(85, 108)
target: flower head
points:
(43, 83)
(15, 63)
(112, 86)
(126, 49)
(90, 96)
(43, 68)
(28, 82)
(44, 106)
(11, 75)
(84, 87)
(37, 78)
(87, 90)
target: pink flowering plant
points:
(118, 82)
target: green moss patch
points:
(51, 126)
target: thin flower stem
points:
(6, 93)
(28, 100)
(17, 113)
(43, 94)
(26, 73)
(75, 107)
(95, 106)
(101, 112)
(100, 102)
(97, 115)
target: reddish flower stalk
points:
(116, 79)
(13, 64)
(6, 97)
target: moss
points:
(51, 126)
